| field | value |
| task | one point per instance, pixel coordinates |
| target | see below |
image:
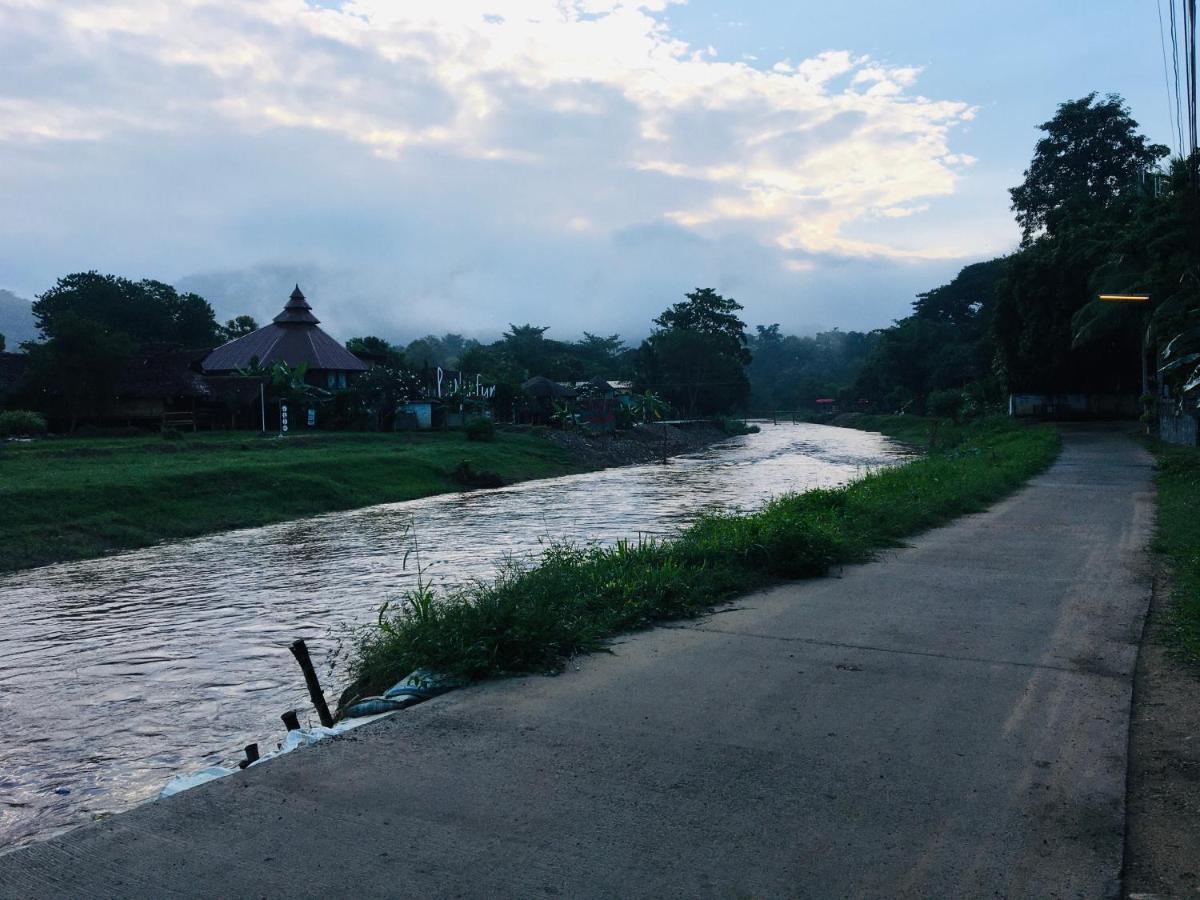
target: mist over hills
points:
(16, 319)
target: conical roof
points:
(296, 311)
(292, 338)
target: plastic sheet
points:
(300, 737)
(424, 684)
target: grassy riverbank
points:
(1178, 538)
(574, 599)
(80, 498)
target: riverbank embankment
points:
(79, 498)
(641, 444)
(532, 618)
(951, 717)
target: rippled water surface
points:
(117, 674)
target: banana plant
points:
(1176, 322)
(649, 405)
(563, 416)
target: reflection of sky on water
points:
(117, 673)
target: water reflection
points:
(116, 674)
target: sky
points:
(458, 166)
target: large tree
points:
(1090, 159)
(146, 311)
(75, 373)
(1085, 187)
(697, 356)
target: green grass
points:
(530, 619)
(1178, 538)
(80, 498)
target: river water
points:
(118, 673)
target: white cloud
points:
(584, 117)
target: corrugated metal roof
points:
(293, 338)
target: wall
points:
(1177, 429)
(1073, 406)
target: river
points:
(118, 673)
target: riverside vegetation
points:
(79, 498)
(531, 618)
(1178, 538)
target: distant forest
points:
(1098, 215)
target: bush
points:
(21, 421)
(735, 427)
(945, 405)
(480, 429)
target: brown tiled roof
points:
(164, 372)
(292, 338)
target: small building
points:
(162, 385)
(415, 415)
(540, 396)
(292, 338)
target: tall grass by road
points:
(531, 618)
(1178, 538)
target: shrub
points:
(945, 404)
(480, 429)
(21, 421)
(735, 426)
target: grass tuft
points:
(531, 618)
(1178, 538)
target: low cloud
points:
(433, 166)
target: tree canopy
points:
(1091, 157)
(236, 328)
(145, 311)
(1096, 217)
(696, 358)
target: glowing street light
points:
(1136, 298)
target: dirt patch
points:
(645, 443)
(1162, 834)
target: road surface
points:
(950, 720)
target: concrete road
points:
(949, 721)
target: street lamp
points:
(1135, 298)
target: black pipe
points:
(251, 751)
(290, 720)
(300, 651)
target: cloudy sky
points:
(460, 164)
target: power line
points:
(1172, 102)
(1189, 39)
(1175, 66)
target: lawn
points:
(68, 499)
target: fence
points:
(1177, 429)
